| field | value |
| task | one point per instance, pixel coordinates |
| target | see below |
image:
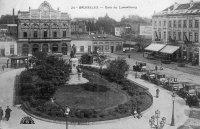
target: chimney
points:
(13, 12)
(175, 5)
(29, 8)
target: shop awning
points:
(155, 47)
(169, 49)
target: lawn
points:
(77, 97)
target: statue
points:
(73, 52)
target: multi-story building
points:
(43, 29)
(179, 25)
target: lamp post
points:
(173, 98)
(154, 121)
(66, 111)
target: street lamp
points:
(154, 121)
(173, 98)
(66, 111)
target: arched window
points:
(35, 48)
(55, 47)
(45, 48)
(64, 49)
(25, 50)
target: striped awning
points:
(155, 47)
(169, 49)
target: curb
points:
(88, 123)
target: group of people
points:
(136, 112)
(7, 113)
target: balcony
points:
(43, 39)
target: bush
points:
(86, 59)
(95, 87)
(192, 101)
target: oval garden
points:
(108, 94)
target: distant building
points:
(178, 25)
(43, 29)
(83, 43)
(102, 43)
(146, 31)
(107, 43)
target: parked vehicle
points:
(139, 67)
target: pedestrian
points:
(1, 113)
(3, 67)
(134, 113)
(7, 63)
(8, 110)
(139, 113)
(157, 93)
(156, 67)
(161, 67)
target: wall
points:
(84, 43)
(7, 45)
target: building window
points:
(35, 34)
(81, 48)
(54, 34)
(196, 24)
(55, 47)
(179, 24)
(45, 34)
(185, 23)
(159, 35)
(184, 36)
(95, 43)
(196, 36)
(106, 47)
(155, 23)
(169, 34)
(101, 48)
(164, 23)
(159, 23)
(64, 33)
(190, 23)
(164, 35)
(25, 34)
(190, 36)
(179, 35)
(174, 35)
(174, 24)
(12, 49)
(170, 23)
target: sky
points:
(97, 8)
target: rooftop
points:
(190, 8)
(95, 37)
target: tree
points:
(102, 61)
(117, 69)
(106, 24)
